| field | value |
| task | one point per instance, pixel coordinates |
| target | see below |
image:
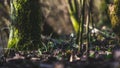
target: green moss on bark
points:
(27, 21)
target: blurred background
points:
(56, 18)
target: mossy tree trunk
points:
(25, 28)
(115, 17)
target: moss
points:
(117, 7)
(115, 17)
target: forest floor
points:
(63, 54)
(60, 59)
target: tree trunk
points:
(25, 28)
(115, 17)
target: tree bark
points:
(25, 28)
(114, 12)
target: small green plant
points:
(50, 46)
(92, 54)
(97, 48)
(39, 52)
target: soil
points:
(48, 60)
